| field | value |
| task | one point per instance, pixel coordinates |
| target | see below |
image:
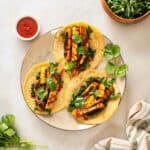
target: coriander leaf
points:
(78, 102)
(84, 65)
(121, 70)
(91, 53)
(8, 120)
(99, 79)
(10, 132)
(38, 75)
(41, 93)
(108, 82)
(77, 38)
(110, 68)
(3, 126)
(52, 68)
(71, 65)
(96, 93)
(89, 30)
(111, 51)
(81, 50)
(51, 83)
(114, 95)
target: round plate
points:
(42, 50)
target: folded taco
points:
(78, 46)
(93, 97)
(44, 87)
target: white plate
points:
(41, 50)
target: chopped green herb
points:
(81, 50)
(9, 120)
(89, 31)
(129, 8)
(96, 93)
(84, 65)
(108, 82)
(51, 83)
(41, 93)
(77, 102)
(114, 95)
(52, 68)
(91, 53)
(77, 38)
(9, 137)
(71, 65)
(99, 79)
(38, 75)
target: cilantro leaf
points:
(108, 82)
(71, 65)
(116, 70)
(51, 83)
(111, 51)
(77, 38)
(89, 30)
(96, 93)
(121, 70)
(81, 50)
(41, 93)
(8, 120)
(52, 68)
(91, 53)
(110, 68)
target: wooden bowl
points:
(120, 19)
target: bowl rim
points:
(119, 18)
(29, 38)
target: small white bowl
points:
(30, 38)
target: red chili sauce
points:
(27, 27)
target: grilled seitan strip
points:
(86, 111)
(68, 44)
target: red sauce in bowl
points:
(27, 27)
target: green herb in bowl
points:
(129, 9)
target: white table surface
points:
(133, 39)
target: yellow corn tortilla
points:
(30, 78)
(77, 82)
(96, 42)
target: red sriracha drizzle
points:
(27, 27)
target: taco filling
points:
(77, 50)
(92, 97)
(45, 87)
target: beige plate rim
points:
(23, 62)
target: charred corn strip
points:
(92, 101)
(74, 45)
(51, 100)
(42, 76)
(102, 86)
(82, 59)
